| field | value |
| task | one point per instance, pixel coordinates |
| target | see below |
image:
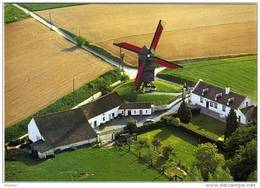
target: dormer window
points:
(218, 95)
(204, 91)
(230, 100)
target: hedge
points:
(82, 41)
(176, 79)
(64, 103)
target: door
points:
(129, 113)
(207, 104)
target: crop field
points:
(240, 74)
(191, 31)
(85, 164)
(40, 67)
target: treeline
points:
(67, 102)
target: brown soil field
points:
(40, 67)
(191, 30)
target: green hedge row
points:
(176, 79)
(65, 103)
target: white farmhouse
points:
(219, 101)
(59, 131)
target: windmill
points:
(147, 59)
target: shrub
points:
(195, 111)
(131, 126)
(167, 151)
(81, 40)
(176, 79)
(156, 142)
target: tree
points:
(184, 112)
(103, 86)
(156, 142)
(231, 123)
(240, 137)
(220, 174)
(194, 175)
(131, 126)
(167, 151)
(244, 161)
(207, 159)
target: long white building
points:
(221, 100)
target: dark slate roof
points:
(135, 105)
(63, 128)
(213, 90)
(101, 105)
(250, 112)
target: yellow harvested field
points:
(40, 67)
(191, 31)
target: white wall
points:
(107, 117)
(51, 152)
(243, 104)
(33, 131)
(135, 112)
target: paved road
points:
(131, 72)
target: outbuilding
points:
(59, 131)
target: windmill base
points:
(147, 87)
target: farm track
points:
(40, 68)
(191, 31)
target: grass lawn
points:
(128, 92)
(85, 164)
(239, 73)
(44, 6)
(183, 144)
(12, 14)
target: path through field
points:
(40, 67)
(191, 31)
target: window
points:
(211, 103)
(201, 99)
(223, 108)
(215, 105)
(104, 119)
(246, 104)
(113, 115)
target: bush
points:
(176, 79)
(81, 40)
(149, 127)
(131, 126)
(167, 151)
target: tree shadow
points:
(70, 49)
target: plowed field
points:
(40, 67)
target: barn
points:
(218, 101)
(59, 131)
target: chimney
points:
(227, 90)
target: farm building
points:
(135, 108)
(218, 102)
(110, 106)
(59, 131)
(102, 109)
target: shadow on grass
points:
(70, 49)
(175, 131)
(26, 159)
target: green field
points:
(85, 164)
(183, 144)
(239, 73)
(128, 92)
(12, 14)
(44, 6)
